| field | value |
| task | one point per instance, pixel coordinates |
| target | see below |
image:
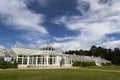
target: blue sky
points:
(66, 24)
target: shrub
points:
(106, 64)
(83, 64)
(15, 65)
(76, 63)
(5, 64)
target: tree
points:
(108, 54)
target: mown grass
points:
(57, 74)
(117, 68)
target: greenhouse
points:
(46, 56)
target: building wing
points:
(24, 51)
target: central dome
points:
(48, 47)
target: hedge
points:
(83, 64)
(106, 64)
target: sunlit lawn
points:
(117, 68)
(58, 74)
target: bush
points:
(83, 64)
(106, 64)
(76, 63)
(5, 64)
(15, 65)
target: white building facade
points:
(46, 56)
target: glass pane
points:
(19, 60)
(25, 60)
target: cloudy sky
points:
(66, 24)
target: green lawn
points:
(117, 68)
(58, 74)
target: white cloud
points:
(63, 38)
(93, 26)
(2, 47)
(98, 21)
(70, 45)
(38, 43)
(111, 44)
(19, 44)
(15, 12)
